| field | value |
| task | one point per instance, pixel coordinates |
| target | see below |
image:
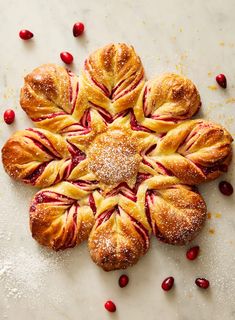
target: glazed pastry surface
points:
(117, 157)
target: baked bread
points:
(117, 157)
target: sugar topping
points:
(113, 156)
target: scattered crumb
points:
(209, 74)
(213, 87)
(209, 215)
(218, 215)
(230, 100)
(181, 67)
(211, 231)
(230, 45)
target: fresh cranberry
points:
(78, 29)
(110, 306)
(202, 283)
(123, 281)
(192, 253)
(25, 34)
(221, 80)
(168, 283)
(66, 57)
(226, 188)
(9, 116)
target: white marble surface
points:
(193, 37)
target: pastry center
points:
(113, 156)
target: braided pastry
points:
(117, 157)
(60, 216)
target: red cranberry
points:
(192, 253)
(9, 116)
(226, 188)
(202, 283)
(221, 80)
(25, 34)
(168, 283)
(78, 29)
(123, 281)
(110, 306)
(66, 57)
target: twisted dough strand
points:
(166, 101)
(60, 216)
(41, 158)
(195, 151)
(177, 213)
(121, 233)
(49, 96)
(114, 77)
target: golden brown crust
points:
(125, 152)
(177, 214)
(166, 101)
(56, 218)
(116, 244)
(48, 96)
(50, 83)
(196, 151)
(35, 156)
(121, 233)
(114, 77)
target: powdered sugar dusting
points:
(113, 157)
(23, 273)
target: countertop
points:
(195, 38)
